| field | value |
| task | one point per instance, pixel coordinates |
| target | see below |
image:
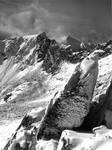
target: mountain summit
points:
(35, 69)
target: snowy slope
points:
(32, 69)
(58, 81)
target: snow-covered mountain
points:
(33, 68)
(29, 63)
(25, 64)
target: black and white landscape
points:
(41, 45)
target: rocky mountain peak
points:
(34, 69)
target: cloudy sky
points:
(57, 17)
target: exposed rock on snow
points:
(25, 135)
(32, 66)
(30, 124)
(20, 59)
(69, 109)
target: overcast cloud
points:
(57, 17)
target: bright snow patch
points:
(6, 130)
(105, 65)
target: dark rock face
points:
(98, 111)
(25, 135)
(75, 43)
(2, 53)
(51, 54)
(70, 108)
(7, 96)
(12, 46)
(44, 49)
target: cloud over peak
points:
(57, 17)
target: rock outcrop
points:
(24, 57)
(32, 66)
(25, 136)
(69, 109)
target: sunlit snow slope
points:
(32, 67)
